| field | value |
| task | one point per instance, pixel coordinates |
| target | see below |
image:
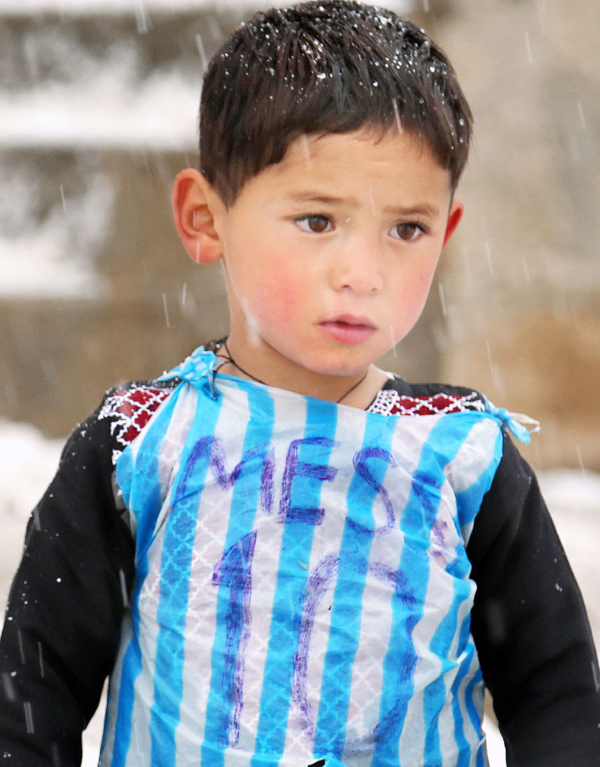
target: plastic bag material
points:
(303, 588)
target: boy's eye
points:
(316, 224)
(407, 232)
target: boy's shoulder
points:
(129, 407)
(398, 397)
(126, 409)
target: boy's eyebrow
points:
(425, 209)
(422, 209)
(318, 197)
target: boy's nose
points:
(359, 270)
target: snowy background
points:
(82, 104)
(28, 461)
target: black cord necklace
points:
(229, 360)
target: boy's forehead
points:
(368, 136)
(370, 143)
(365, 153)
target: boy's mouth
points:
(348, 329)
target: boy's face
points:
(329, 255)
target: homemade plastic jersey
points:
(302, 587)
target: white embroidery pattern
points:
(391, 402)
(130, 410)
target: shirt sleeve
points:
(65, 608)
(531, 629)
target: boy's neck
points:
(355, 390)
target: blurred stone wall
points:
(522, 280)
(142, 305)
(515, 311)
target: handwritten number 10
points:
(234, 571)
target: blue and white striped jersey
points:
(302, 587)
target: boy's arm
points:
(65, 608)
(530, 627)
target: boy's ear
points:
(195, 207)
(456, 213)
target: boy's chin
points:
(346, 362)
(339, 369)
(316, 360)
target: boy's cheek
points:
(409, 297)
(281, 283)
(278, 299)
(422, 280)
(426, 278)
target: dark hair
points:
(330, 66)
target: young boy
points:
(274, 549)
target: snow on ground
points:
(574, 500)
(28, 461)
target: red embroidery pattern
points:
(130, 411)
(391, 402)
